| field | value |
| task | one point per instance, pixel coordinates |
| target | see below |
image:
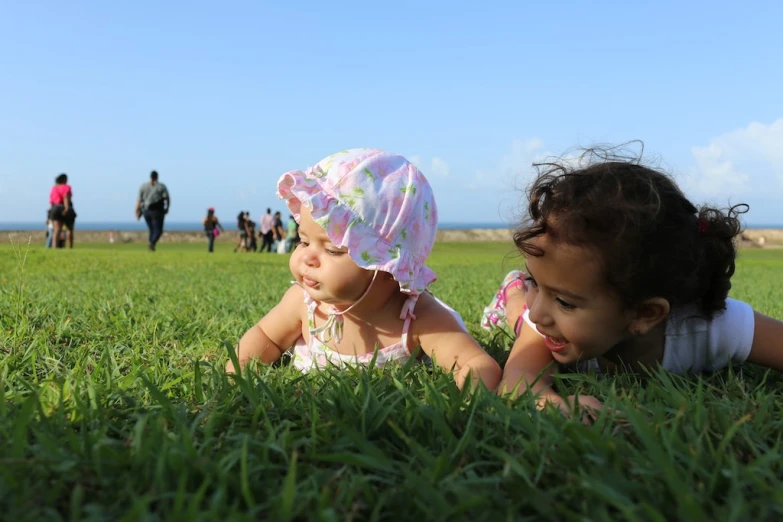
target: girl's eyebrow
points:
(557, 290)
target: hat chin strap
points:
(334, 324)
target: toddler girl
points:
(623, 271)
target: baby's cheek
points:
(293, 263)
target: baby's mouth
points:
(312, 283)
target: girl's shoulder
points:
(695, 344)
(687, 320)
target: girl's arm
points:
(66, 201)
(530, 365)
(274, 333)
(767, 347)
(444, 339)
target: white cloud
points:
(436, 167)
(439, 167)
(514, 169)
(744, 161)
(522, 155)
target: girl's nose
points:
(538, 310)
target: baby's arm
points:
(444, 339)
(274, 333)
(767, 347)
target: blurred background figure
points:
(212, 227)
(265, 226)
(292, 234)
(153, 203)
(49, 228)
(61, 213)
(278, 234)
(242, 230)
(251, 244)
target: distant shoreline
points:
(751, 238)
(229, 236)
(179, 226)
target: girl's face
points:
(571, 304)
(327, 273)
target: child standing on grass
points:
(212, 228)
(367, 223)
(623, 271)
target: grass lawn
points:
(116, 407)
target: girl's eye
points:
(334, 252)
(565, 305)
(530, 282)
(302, 244)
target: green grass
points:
(115, 407)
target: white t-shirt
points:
(694, 344)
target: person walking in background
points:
(278, 234)
(153, 203)
(252, 245)
(49, 229)
(267, 222)
(242, 229)
(212, 227)
(292, 234)
(61, 212)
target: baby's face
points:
(324, 270)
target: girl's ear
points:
(649, 314)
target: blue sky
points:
(221, 98)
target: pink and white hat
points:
(375, 203)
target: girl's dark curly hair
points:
(652, 241)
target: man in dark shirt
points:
(153, 203)
(278, 233)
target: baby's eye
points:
(565, 305)
(302, 244)
(530, 282)
(333, 252)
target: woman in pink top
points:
(62, 213)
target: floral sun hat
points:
(375, 203)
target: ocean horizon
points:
(188, 226)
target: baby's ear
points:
(649, 314)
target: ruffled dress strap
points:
(311, 304)
(407, 315)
